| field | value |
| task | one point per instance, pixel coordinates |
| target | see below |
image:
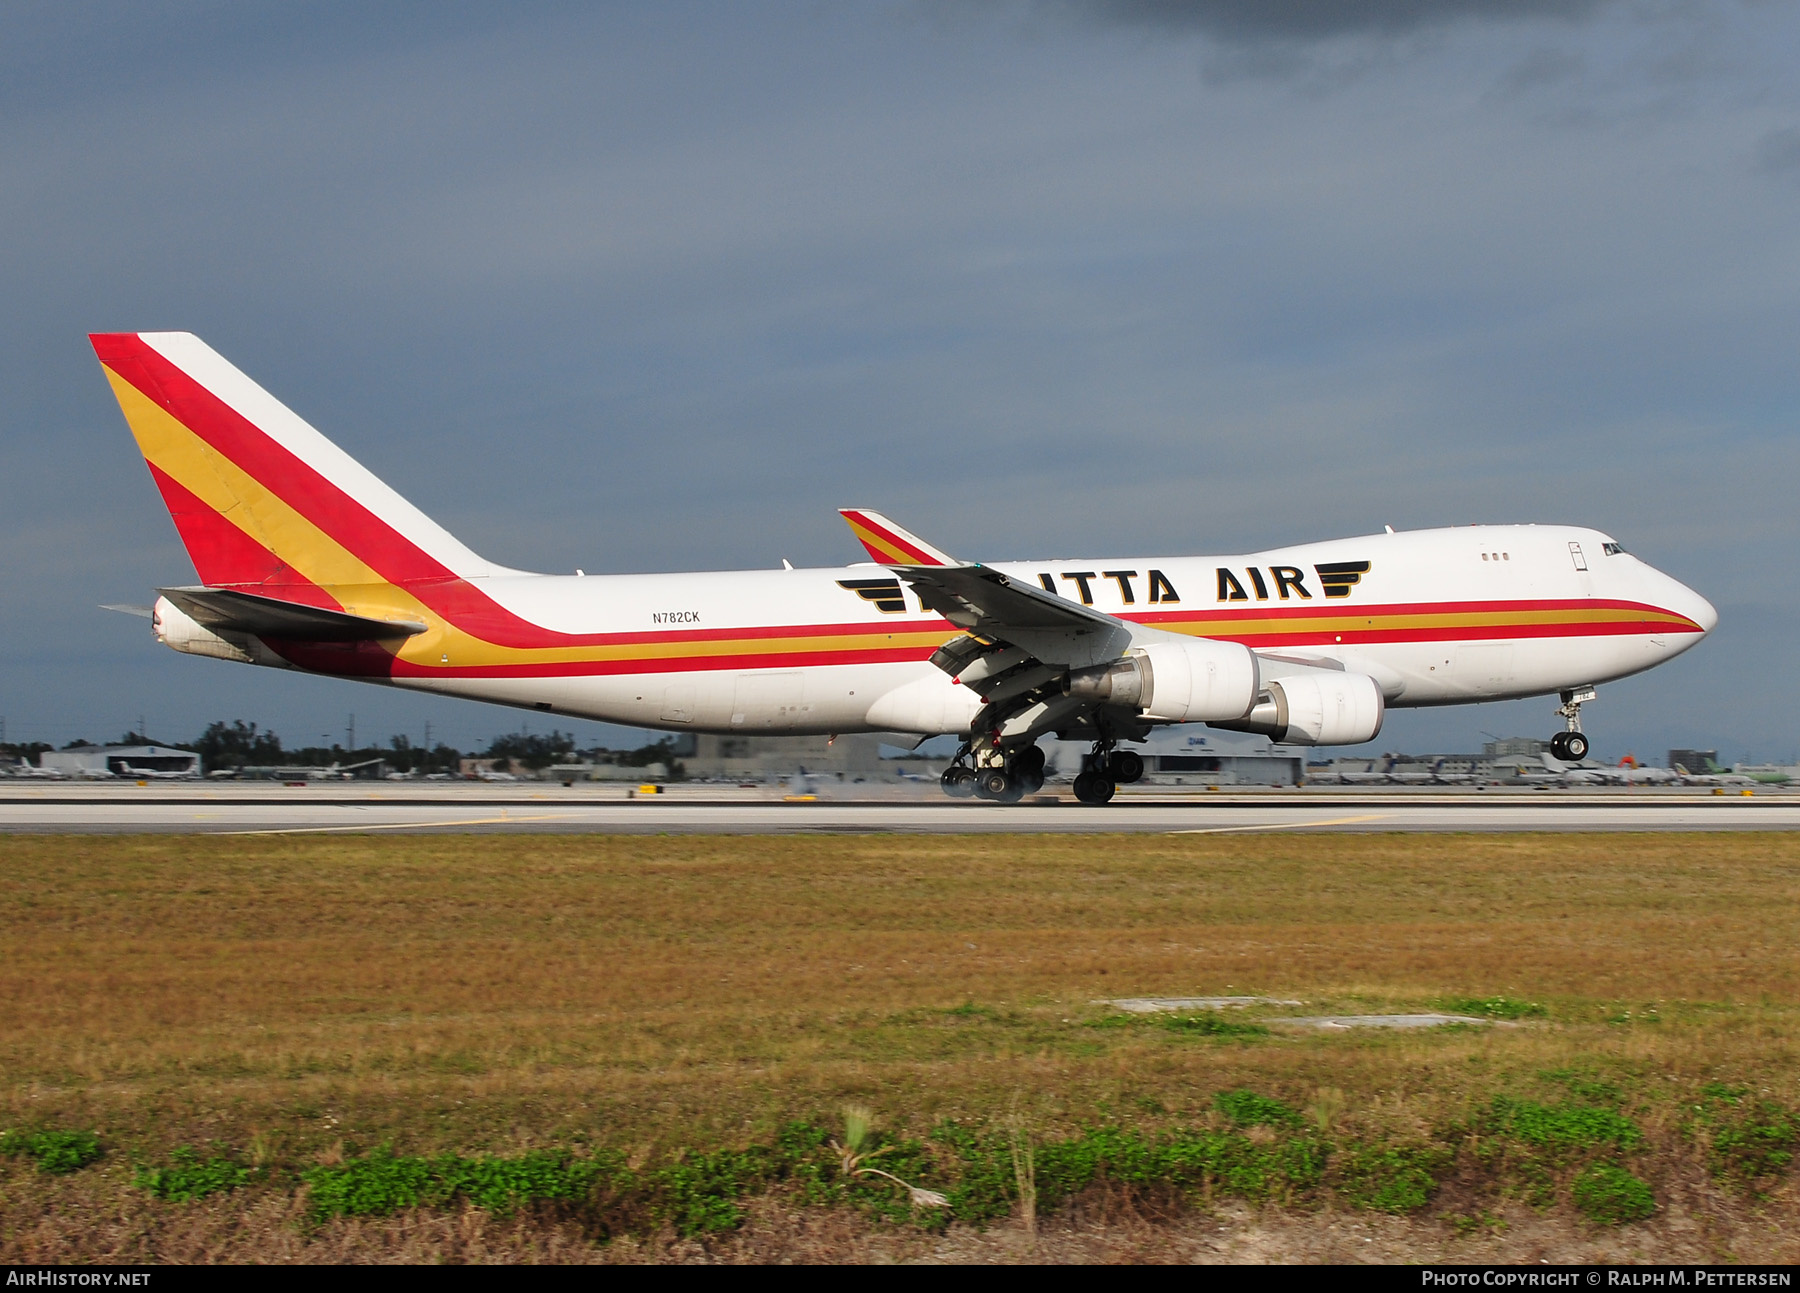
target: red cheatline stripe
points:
(1351, 610)
(917, 557)
(225, 555)
(374, 662)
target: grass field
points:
(281, 1006)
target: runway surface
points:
(350, 808)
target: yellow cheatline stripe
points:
(401, 826)
(1354, 623)
(881, 544)
(232, 492)
(1281, 826)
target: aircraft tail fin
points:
(259, 496)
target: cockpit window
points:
(1613, 549)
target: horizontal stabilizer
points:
(142, 612)
(225, 608)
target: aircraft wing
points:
(227, 608)
(984, 601)
(990, 603)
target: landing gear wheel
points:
(1126, 766)
(993, 783)
(1559, 746)
(958, 782)
(1092, 788)
(1027, 767)
(1575, 746)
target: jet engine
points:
(175, 628)
(1317, 709)
(1195, 681)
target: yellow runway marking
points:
(399, 826)
(1281, 826)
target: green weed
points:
(381, 1181)
(1612, 1196)
(189, 1177)
(1390, 1178)
(1565, 1127)
(1248, 1109)
(1211, 1024)
(1750, 1138)
(55, 1152)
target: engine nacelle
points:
(1318, 709)
(1202, 681)
(175, 628)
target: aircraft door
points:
(769, 700)
(678, 702)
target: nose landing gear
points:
(1572, 743)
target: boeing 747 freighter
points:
(306, 561)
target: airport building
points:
(1191, 755)
(121, 761)
(858, 757)
(1513, 747)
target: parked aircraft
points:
(307, 561)
(1716, 777)
(25, 768)
(154, 774)
(1624, 773)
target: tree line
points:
(234, 745)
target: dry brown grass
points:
(482, 993)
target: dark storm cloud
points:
(1259, 21)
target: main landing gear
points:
(1571, 744)
(1007, 776)
(1003, 776)
(1106, 770)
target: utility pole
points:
(350, 734)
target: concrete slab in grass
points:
(1151, 1005)
(1343, 1022)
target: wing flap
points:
(240, 612)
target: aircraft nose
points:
(1691, 604)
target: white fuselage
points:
(1439, 617)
